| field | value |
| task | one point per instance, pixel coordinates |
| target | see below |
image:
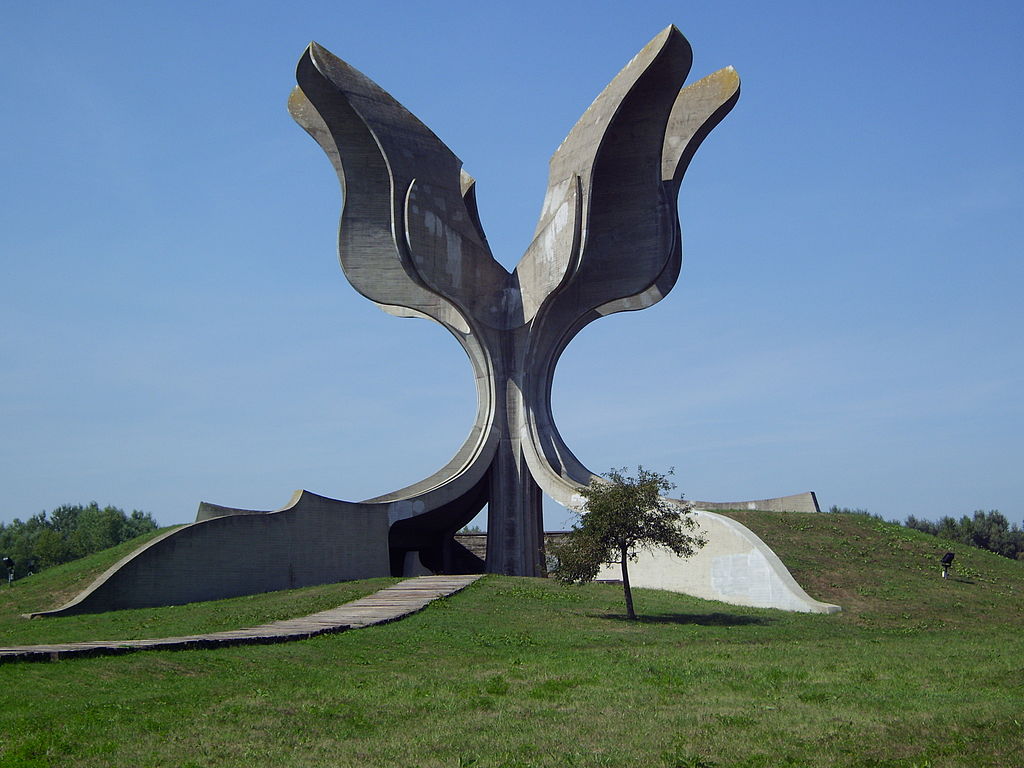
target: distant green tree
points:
(619, 517)
(988, 530)
(836, 510)
(97, 529)
(64, 519)
(70, 532)
(137, 523)
(49, 548)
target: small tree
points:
(619, 517)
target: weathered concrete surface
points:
(314, 541)
(735, 566)
(798, 502)
(607, 241)
(410, 240)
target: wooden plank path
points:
(389, 604)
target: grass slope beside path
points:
(55, 586)
(526, 672)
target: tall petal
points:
(408, 237)
(615, 151)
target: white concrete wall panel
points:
(735, 567)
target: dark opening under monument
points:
(410, 240)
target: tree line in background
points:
(67, 533)
(987, 530)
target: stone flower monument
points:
(410, 241)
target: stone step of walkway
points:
(388, 604)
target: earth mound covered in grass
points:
(52, 587)
(55, 586)
(883, 574)
(526, 672)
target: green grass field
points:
(525, 672)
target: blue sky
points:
(174, 326)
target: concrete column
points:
(515, 526)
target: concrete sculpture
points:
(608, 241)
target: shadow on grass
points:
(702, 619)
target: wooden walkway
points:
(388, 604)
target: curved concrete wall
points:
(798, 502)
(735, 566)
(316, 541)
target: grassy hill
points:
(54, 586)
(885, 575)
(525, 672)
